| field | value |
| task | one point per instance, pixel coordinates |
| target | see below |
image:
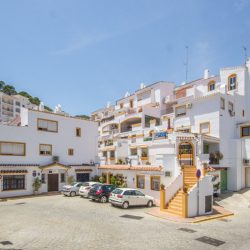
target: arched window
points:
(211, 86)
(232, 82)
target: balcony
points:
(136, 126)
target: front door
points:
(186, 154)
(52, 182)
(247, 177)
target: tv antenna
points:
(245, 53)
(186, 63)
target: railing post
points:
(183, 174)
(162, 198)
(184, 203)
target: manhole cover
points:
(188, 230)
(20, 203)
(132, 217)
(211, 241)
(5, 243)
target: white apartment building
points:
(10, 107)
(159, 128)
(49, 146)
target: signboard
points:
(160, 135)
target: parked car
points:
(126, 197)
(101, 192)
(84, 189)
(72, 190)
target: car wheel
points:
(150, 204)
(72, 194)
(103, 199)
(125, 205)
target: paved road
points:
(57, 222)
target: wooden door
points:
(52, 182)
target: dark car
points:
(101, 192)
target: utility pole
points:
(186, 63)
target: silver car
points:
(84, 189)
(126, 197)
(72, 190)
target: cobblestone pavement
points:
(57, 222)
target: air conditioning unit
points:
(168, 174)
(189, 105)
(55, 158)
(246, 161)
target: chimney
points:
(142, 85)
(41, 106)
(206, 74)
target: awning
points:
(83, 170)
(18, 171)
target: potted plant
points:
(36, 185)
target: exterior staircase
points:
(175, 205)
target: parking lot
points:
(58, 222)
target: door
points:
(186, 154)
(223, 177)
(82, 177)
(140, 198)
(130, 196)
(247, 177)
(52, 182)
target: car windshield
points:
(74, 183)
(117, 191)
(97, 187)
(85, 184)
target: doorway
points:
(186, 154)
(52, 182)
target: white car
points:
(126, 197)
(86, 186)
(72, 190)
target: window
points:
(133, 151)
(211, 86)
(232, 82)
(78, 132)
(43, 178)
(104, 153)
(47, 125)
(71, 151)
(243, 112)
(121, 105)
(205, 148)
(131, 103)
(205, 128)
(140, 181)
(17, 103)
(112, 154)
(17, 110)
(45, 149)
(12, 148)
(13, 182)
(245, 131)
(180, 111)
(62, 177)
(138, 193)
(144, 152)
(155, 183)
(222, 103)
(231, 108)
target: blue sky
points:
(83, 54)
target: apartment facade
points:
(10, 107)
(158, 129)
(49, 146)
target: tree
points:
(35, 100)
(9, 90)
(25, 94)
(82, 116)
(2, 84)
(48, 108)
